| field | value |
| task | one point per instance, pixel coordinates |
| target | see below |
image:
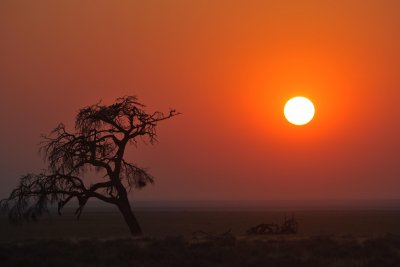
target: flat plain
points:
(100, 238)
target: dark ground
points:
(105, 223)
(177, 251)
(326, 238)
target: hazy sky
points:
(228, 66)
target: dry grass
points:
(100, 239)
(109, 224)
(180, 251)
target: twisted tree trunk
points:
(130, 218)
(102, 133)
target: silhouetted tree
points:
(102, 133)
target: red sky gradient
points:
(228, 66)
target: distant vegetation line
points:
(254, 205)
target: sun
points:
(299, 110)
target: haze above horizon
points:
(229, 67)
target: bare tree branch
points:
(102, 133)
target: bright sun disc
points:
(299, 110)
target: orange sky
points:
(228, 66)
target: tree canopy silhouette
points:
(102, 133)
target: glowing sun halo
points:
(299, 110)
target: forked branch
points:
(99, 141)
